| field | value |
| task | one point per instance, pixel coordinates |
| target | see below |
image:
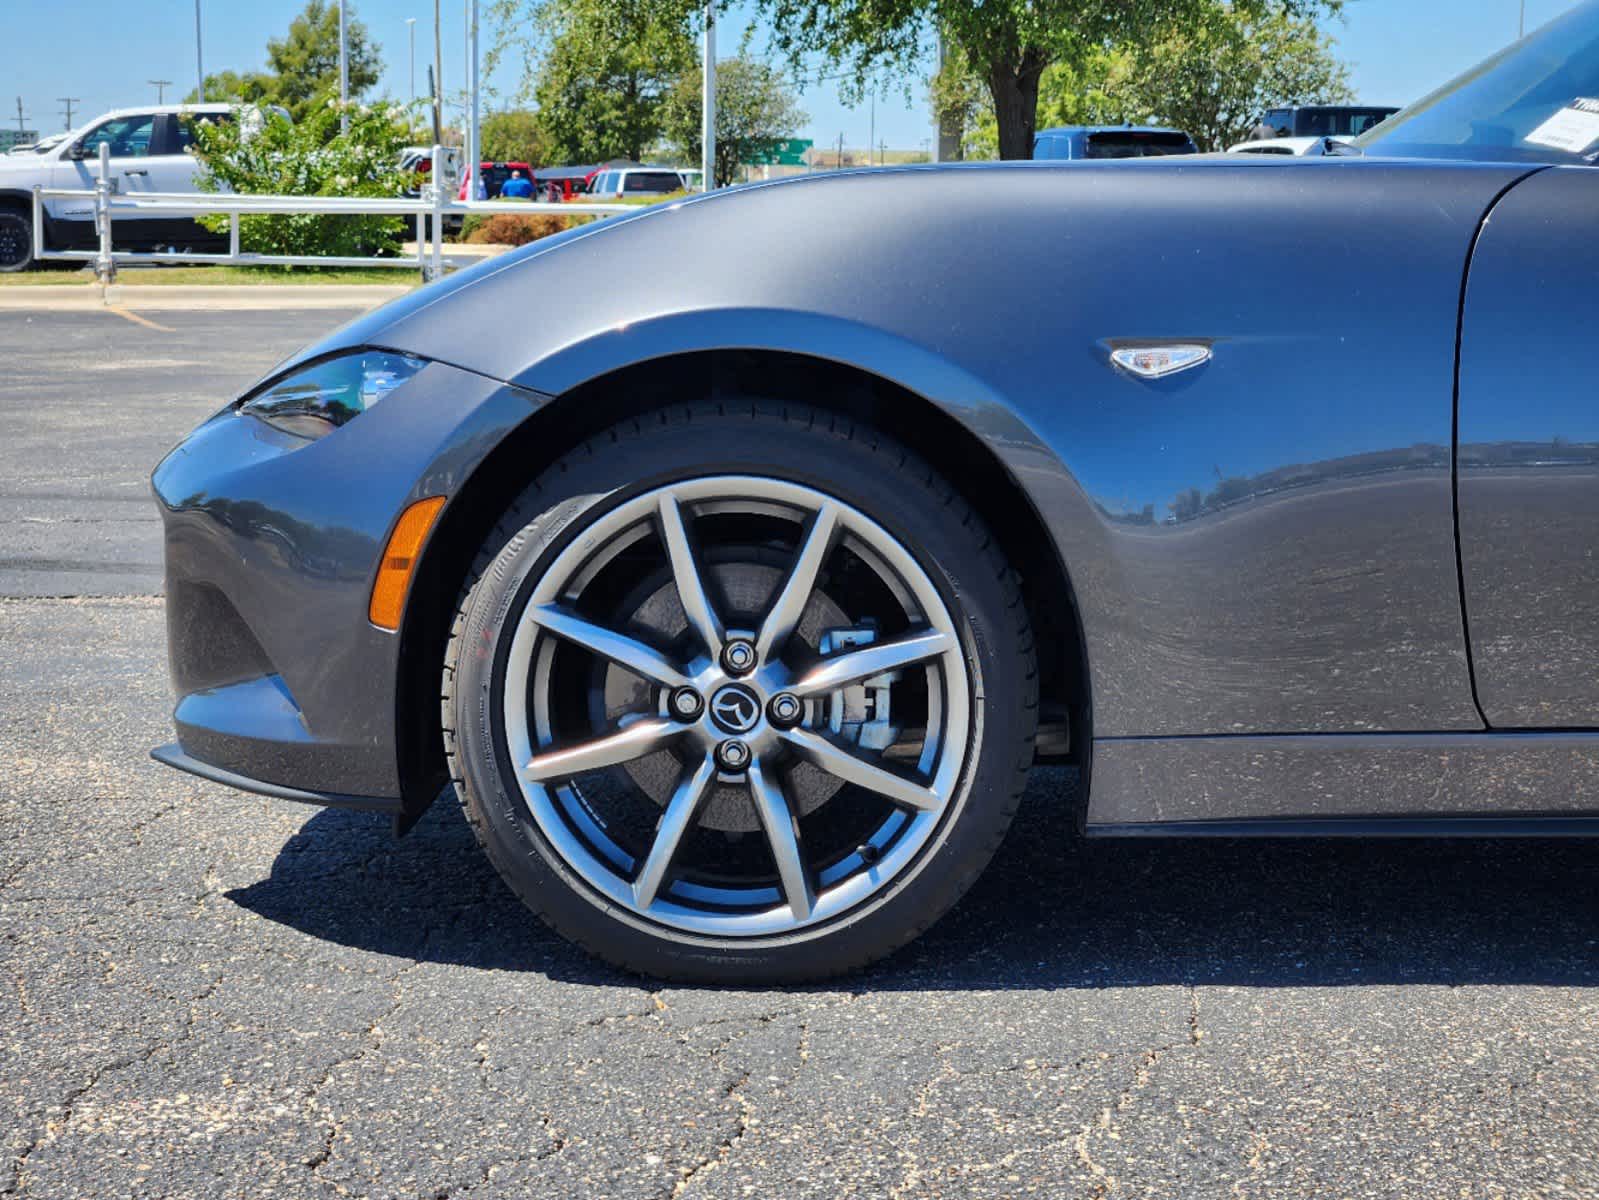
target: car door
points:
(131, 139)
(1528, 455)
(172, 167)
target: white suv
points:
(617, 182)
(149, 153)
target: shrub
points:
(261, 152)
(504, 229)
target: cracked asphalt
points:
(210, 994)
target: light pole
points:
(438, 86)
(199, 61)
(708, 103)
(472, 152)
(1521, 25)
(344, 72)
(410, 28)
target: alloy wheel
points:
(735, 706)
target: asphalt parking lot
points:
(214, 994)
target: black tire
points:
(800, 445)
(16, 240)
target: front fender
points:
(1263, 544)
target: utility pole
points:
(871, 137)
(69, 101)
(22, 121)
(882, 157)
(199, 61)
(161, 86)
(841, 152)
(344, 72)
(1521, 25)
(708, 102)
(410, 28)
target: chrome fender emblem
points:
(1156, 362)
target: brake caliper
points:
(859, 712)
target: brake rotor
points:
(747, 586)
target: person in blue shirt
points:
(516, 188)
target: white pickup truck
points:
(149, 153)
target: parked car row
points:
(150, 153)
(1298, 130)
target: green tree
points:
(599, 70)
(1212, 76)
(262, 153)
(1217, 75)
(512, 136)
(753, 107)
(251, 87)
(306, 60)
(1006, 44)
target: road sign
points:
(780, 152)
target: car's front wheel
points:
(740, 696)
(16, 240)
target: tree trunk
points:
(1014, 87)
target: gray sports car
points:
(736, 603)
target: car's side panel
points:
(1145, 785)
(1529, 455)
(1265, 544)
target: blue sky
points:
(104, 51)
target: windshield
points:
(1337, 122)
(1137, 145)
(1537, 101)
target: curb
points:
(86, 297)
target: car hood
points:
(928, 254)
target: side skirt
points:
(1362, 827)
(1361, 784)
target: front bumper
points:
(272, 544)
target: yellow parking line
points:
(138, 320)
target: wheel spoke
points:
(686, 574)
(624, 651)
(680, 813)
(836, 761)
(632, 741)
(782, 833)
(790, 603)
(856, 665)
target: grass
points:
(189, 276)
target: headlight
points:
(318, 399)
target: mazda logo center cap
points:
(735, 709)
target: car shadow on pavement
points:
(1051, 912)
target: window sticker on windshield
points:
(1574, 129)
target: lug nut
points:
(686, 703)
(733, 756)
(738, 657)
(785, 709)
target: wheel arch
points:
(587, 403)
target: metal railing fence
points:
(428, 210)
